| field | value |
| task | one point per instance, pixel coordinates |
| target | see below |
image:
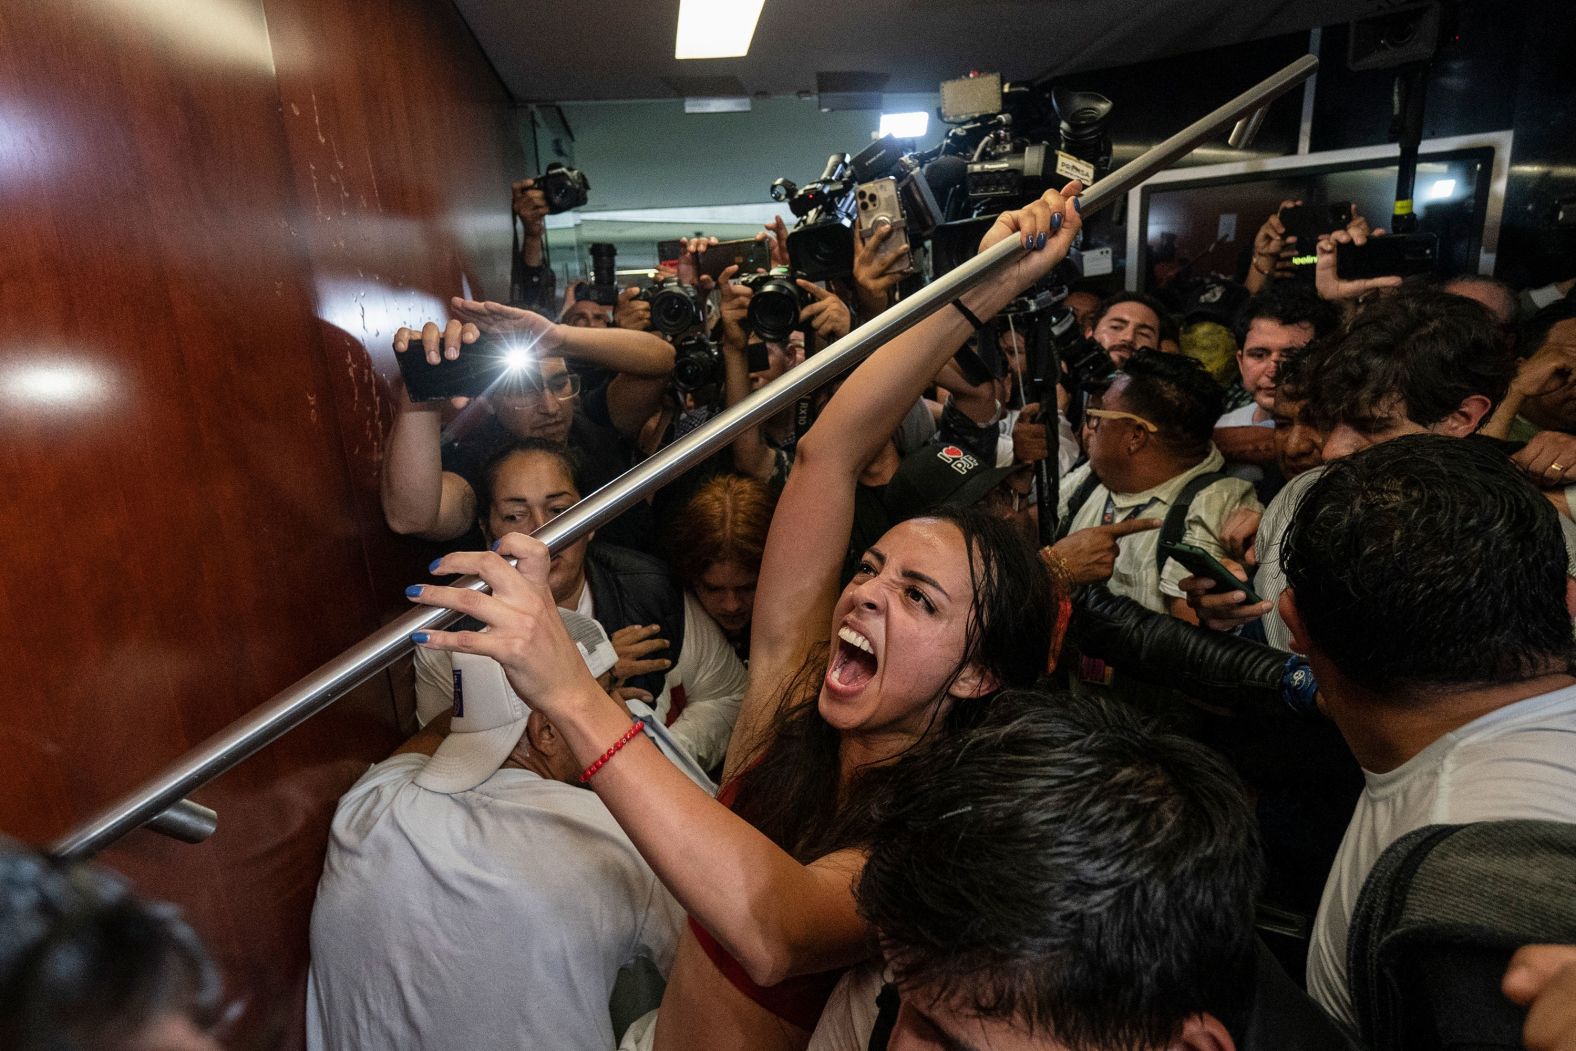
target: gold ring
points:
(1556, 467)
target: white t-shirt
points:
(708, 676)
(850, 1014)
(1242, 416)
(1516, 762)
(497, 917)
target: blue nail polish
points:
(1028, 242)
(418, 637)
(1077, 206)
(434, 567)
(1056, 222)
(1040, 241)
(413, 591)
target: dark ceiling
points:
(556, 51)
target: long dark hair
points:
(793, 790)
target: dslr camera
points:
(775, 305)
(675, 307)
(564, 188)
(697, 363)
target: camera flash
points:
(515, 359)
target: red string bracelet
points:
(629, 735)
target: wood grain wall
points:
(215, 213)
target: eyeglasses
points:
(562, 385)
(1112, 414)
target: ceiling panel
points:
(555, 51)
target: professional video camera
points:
(1010, 157)
(821, 244)
(603, 287)
(564, 188)
(697, 363)
(998, 154)
(776, 303)
(675, 307)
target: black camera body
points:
(1007, 176)
(564, 188)
(675, 307)
(697, 363)
(775, 304)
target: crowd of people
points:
(834, 744)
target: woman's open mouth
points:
(853, 663)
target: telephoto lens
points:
(675, 307)
(774, 308)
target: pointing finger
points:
(1131, 526)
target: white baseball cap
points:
(489, 716)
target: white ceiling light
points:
(905, 125)
(716, 28)
(1442, 189)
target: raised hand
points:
(828, 315)
(437, 342)
(524, 631)
(1273, 249)
(543, 335)
(734, 308)
(530, 204)
(776, 237)
(877, 266)
(1325, 276)
(1046, 227)
(632, 312)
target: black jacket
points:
(629, 587)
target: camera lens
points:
(774, 308)
(696, 363)
(675, 309)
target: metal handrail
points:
(316, 691)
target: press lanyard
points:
(1110, 510)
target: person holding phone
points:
(431, 476)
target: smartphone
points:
(1400, 255)
(1309, 223)
(479, 366)
(879, 205)
(749, 256)
(1201, 563)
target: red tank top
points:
(798, 1000)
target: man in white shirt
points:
(1427, 585)
(478, 896)
(1149, 438)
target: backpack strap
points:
(1080, 497)
(1176, 517)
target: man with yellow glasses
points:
(1150, 455)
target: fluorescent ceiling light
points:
(717, 105)
(1441, 189)
(905, 125)
(716, 28)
